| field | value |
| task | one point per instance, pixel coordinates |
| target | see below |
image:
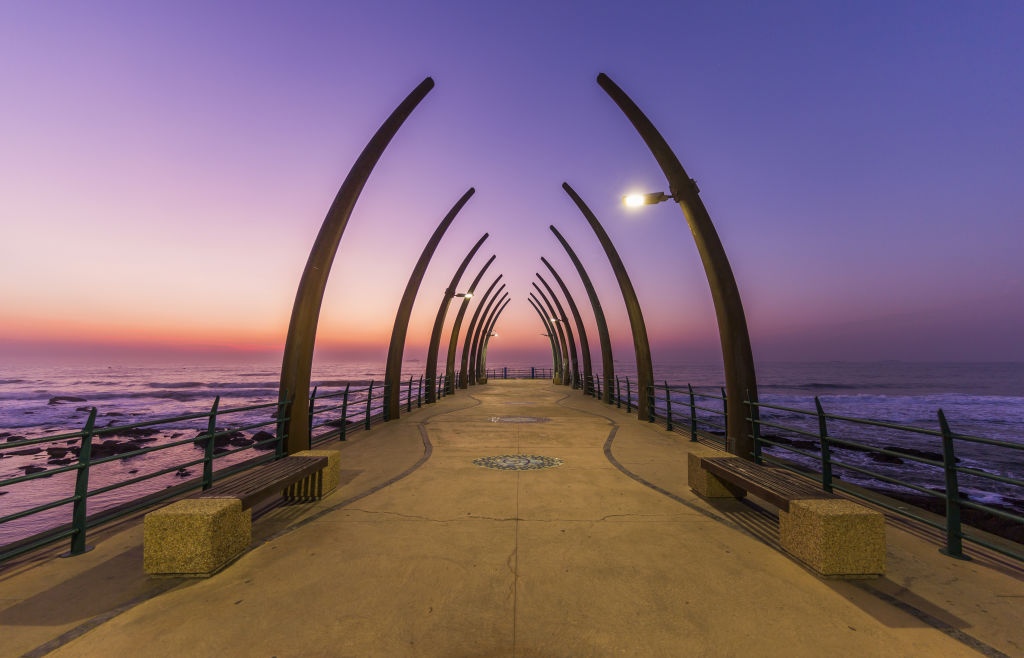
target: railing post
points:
(312, 400)
(693, 415)
(755, 424)
(629, 397)
(668, 408)
(618, 393)
(211, 430)
(531, 372)
(369, 403)
(826, 452)
(650, 401)
(506, 372)
(954, 535)
(78, 515)
(419, 394)
(725, 414)
(597, 380)
(344, 412)
(408, 396)
(283, 410)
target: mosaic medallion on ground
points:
(518, 462)
(518, 419)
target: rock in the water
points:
(884, 459)
(135, 432)
(57, 452)
(25, 451)
(222, 440)
(241, 442)
(914, 452)
(84, 409)
(183, 472)
(56, 399)
(59, 462)
(110, 448)
(264, 436)
(11, 438)
(31, 468)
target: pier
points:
(424, 551)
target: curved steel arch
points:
(549, 333)
(737, 355)
(563, 375)
(453, 341)
(602, 325)
(471, 333)
(435, 332)
(641, 346)
(574, 366)
(556, 373)
(485, 328)
(297, 362)
(487, 338)
(471, 372)
(393, 372)
(580, 329)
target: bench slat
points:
(267, 480)
(774, 485)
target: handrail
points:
(361, 407)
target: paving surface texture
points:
(454, 559)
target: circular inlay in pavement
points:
(518, 419)
(518, 462)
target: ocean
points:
(982, 399)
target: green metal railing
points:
(332, 416)
(520, 373)
(684, 410)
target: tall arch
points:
(453, 341)
(487, 339)
(581, 331)
(393, 372)
(471, 333)
(602, 325)
(564, 376)
(485, 328)
(574, 366)
(476, 335)
(641, 347)
(297, 362)
(549, 332)
(737, 355)
(435, 332)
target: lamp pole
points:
(549, 332)
(471, 333)
(641, 347)
(442, 311)
(556, 322)
(737, 355)
(297, 362)
(453, 342)
(580, 329)
(393, 371)
(574, 368)
(607, 364)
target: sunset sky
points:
(165, 167)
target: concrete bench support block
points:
(321, 483)
(704, 483)
(195, 537)
(834, 537)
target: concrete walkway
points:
(446, 558)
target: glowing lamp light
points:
(637, 200)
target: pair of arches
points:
(734, 336)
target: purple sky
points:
(164, 170)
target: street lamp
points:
(637, 200)
(467, 295)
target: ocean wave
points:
(13, 381)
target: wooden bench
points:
(833, 535)
(200, 535)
